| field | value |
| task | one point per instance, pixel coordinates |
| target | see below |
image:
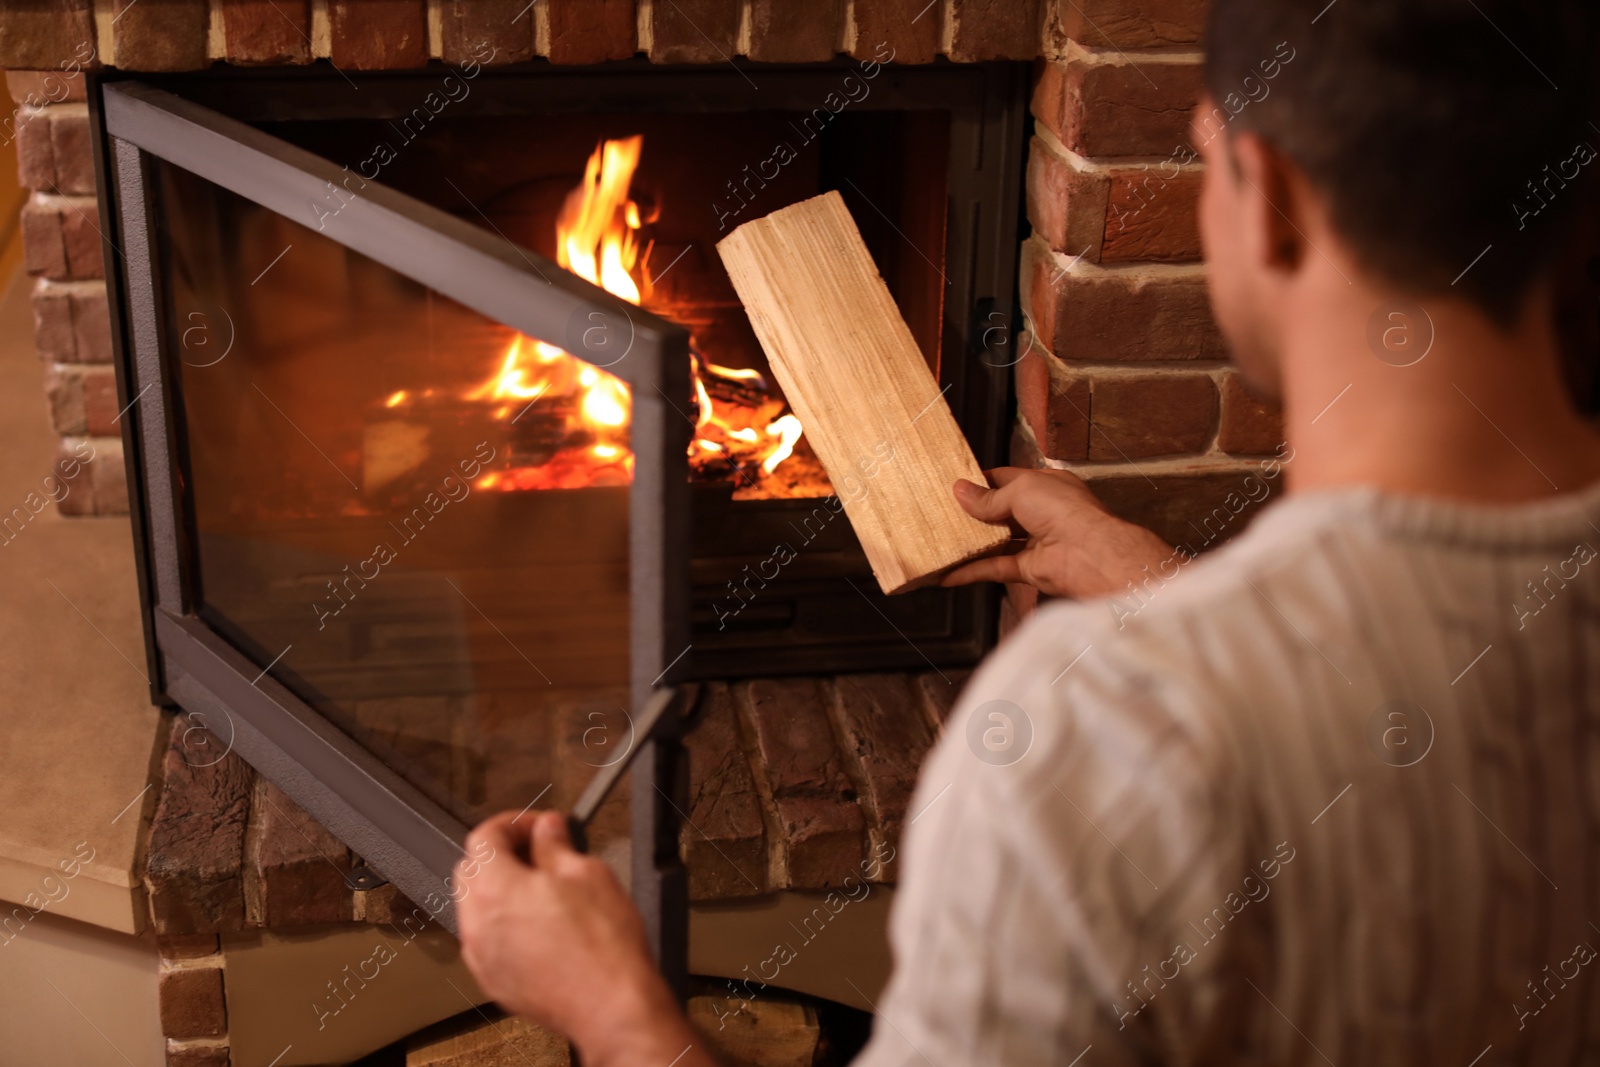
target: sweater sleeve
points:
(1081, 890)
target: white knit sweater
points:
(1330, 797)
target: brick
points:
(198, 1055)
(52, 323)
(1111, 107)
(100, 404)
(36, 88)
(994, 29)
(36, 160)
(192, 1004)
(1066, 205)
(196, 841)
(486, 31)
(589, 731)
(266, 31)
(939, 690)
(694, 31)
(785, 32)
(1152, 216)
(899, 31)
(1135, 416)
(296, 868)
(885, 736)
(1249, 425)
(724, 841)
(74, 466)
(45, 34)
(1087, 312)
(384, 905)
(44, 246)
(63, 392)
(1198, 511)
(822, 826)
(80, 233)
(70, 145)
(377, 34)
(159, 34)
(109, 480)
(1113, 214)
(91, 324)
(592, 31)
(188, 946)
(1053, 404)
(1127, 23)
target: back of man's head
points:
(1433, 128)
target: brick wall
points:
(1124, 378)
(61, 243)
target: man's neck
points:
(1484, 416)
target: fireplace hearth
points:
(448, 417)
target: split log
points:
(852, 372)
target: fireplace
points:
(443, 414)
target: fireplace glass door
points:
(426, 498)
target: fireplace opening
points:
(635, 203)
(427, 525)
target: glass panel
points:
(694, 177)
(691, 179)
(412, 516)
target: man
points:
(1331, 794)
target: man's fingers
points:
(989, 569)
(989, 505)
(550, 841)
(1001, 476)
(503, 832)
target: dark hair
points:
(1435, 128)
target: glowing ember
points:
(577, 415)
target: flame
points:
(597, 238)
(788, 430)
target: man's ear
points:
(1279, 202)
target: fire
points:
(575, 414)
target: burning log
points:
(746, 389)
(853, 374)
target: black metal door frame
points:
(398, 831)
